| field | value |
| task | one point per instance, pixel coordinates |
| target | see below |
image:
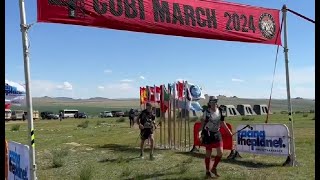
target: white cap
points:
(213, 99)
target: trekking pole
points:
(247, 126)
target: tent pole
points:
(292, 157)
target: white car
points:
(106, 114)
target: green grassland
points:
(108, 149)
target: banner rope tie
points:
(274, 72)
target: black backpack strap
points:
(221, 115)
(206, 118)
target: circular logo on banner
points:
(267, 25)
(195, 92)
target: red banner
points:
(7, 106)
(226, 138)
(189, 18)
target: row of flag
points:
(185, 95)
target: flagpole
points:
(177, 110)
(174, 115)
(149, 101)
(180, 114)
(188, 116)
(169, 116)
(184, 116)
(177, 118)
(25, 45)
(164, 116)
(292, 155)
(169, 113)
(154, 106)
(160, 118)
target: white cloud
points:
(20, 86)
(142, 77)
(302, 75)
(305, 92)
(126, 80)
(65, 86)
(118, 90)
(216, 92)
(107, 71)
(280, 92)
(237, 80)
(41, 88)
(302, 83)
(100, 87)
(121, 86)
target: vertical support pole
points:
(184, 114)
(169, 123)
(161, 116)
(25, 46)
(292, 155)
(174, 115)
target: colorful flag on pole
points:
(194, 92)
(180, 90)
(143, 95)
(157, 94)
(165, 97)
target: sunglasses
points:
(213, 101)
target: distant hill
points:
(95, 105)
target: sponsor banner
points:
(188, 18)
(18, 161)
(269, 139)
(14, 93)
(14, 89)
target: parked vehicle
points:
(17, 115)
(80, 115)
(105, 114)
(7, 114)
(49, 115)
(68, 113)
(52, 116)
(35, 115)
(117, 113)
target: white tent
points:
(245, 110)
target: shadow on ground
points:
(149, 176)
(119, 148)
(164, 172)
(117, 160)
(246, 163)
(125, 148)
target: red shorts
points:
(213, 145)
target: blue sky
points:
(82, 62)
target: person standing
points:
(60, 115)
(210, 135)
(131, 117)
(146, 123)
